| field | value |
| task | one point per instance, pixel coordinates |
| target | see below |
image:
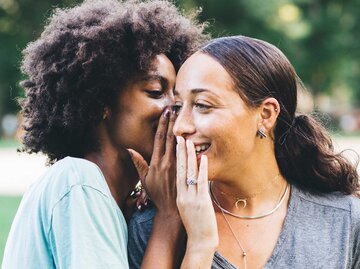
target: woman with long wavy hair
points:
(258, 185)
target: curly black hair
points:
(85, 54)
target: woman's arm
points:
(177, 204)
(165, 243)
(195, 207)
(167, 236)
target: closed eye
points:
(156, 94)
(176, 108)
(202, 107)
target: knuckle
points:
(170, 137)
(162, 122)
(166, 166)
(160, 135)
(155, 169)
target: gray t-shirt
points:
(320, 231)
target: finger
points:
(142, 200)
(203, 175)
(180, 166)
(191, 163)
(160, 137)
(140, 164)
(170, 140)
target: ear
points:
(269, 112)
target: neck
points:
(119, 172)
(261, 185)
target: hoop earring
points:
(261, 132)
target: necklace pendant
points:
(244, 254)
(244, 201)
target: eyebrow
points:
(196, 91)
(163, 81)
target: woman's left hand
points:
(195, 206)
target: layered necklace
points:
(244, 200)
(224, 211)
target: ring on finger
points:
(191, 181)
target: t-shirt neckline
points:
(286, 230)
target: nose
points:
(184, 124)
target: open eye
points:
(156, 94)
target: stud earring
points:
(261, 132)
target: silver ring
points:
(191, 181)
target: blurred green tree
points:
(320, 37)
(21, 21)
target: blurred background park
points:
(320, 37)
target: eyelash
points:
(176, 109)
(154, 94)
(201, 107)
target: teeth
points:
(200, 148)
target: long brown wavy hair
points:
(303, 148)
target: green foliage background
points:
(320, 37)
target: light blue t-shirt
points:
(68, 219)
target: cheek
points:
(153, 110)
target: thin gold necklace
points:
(248, 217)
(245, 200)
(244, 253)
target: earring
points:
(261, 132)
(106, 113)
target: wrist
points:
(199, 255)
(168, 216)
(169, 221)
(202, 247)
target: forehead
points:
(162, 67)
(201, 71)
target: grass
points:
(9, 143)
(344, 135)
(8, 208)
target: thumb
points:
(140, 164)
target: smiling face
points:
(139, 107)
(213, 116)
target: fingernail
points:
(178, 139)
(146, 203)
(167, 113)
(139, 207)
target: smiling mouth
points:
(200, 149)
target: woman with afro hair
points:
(99, 88)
